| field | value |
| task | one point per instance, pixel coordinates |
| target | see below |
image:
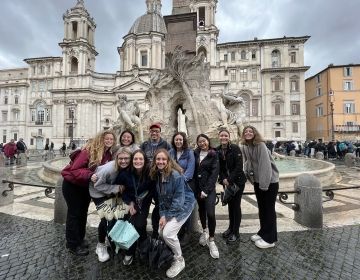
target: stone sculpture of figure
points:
(233, 111)
(129, 116)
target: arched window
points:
(203, 51)
(74, 65)
(40, 113)
(275, 58)
(16, 99)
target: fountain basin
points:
(289, 169)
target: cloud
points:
(34, 28)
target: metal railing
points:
(283, 196)
(49, 190)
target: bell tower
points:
(207, 32)
(78, 44)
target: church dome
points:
(150, 22)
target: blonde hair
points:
(96, 147)
(171, 165)
(257, 136)
(121, 150)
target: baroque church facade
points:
(58, 99)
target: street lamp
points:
(72, 104)
(331, 95)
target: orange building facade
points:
(333, 103)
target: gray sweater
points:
(104, 185)
(258, 159)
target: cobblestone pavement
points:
(32, 246)
(33, 249)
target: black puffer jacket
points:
(206, 172)
(231, 165)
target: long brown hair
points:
(96, 147)
(171, 165)
(257, 136)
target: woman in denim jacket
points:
(176, 202)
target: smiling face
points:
(109, 140)
(203, 143)
(123, 160)
(155, 134)
(161, 161)
(224, 138)
(126, 139)
(138, 161)
(249, 134)
(179, 141)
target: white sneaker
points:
(255, 237)
(101, 251)
(262, 244)
(176, 267)
(214, 252)
(203, 238)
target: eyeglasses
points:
(154, 131)
(123, 159)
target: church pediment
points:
(133, 85)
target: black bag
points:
(228, 193)
(156, 252)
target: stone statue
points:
(232, 111)
(129, 117)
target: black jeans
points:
(234, 208)
(77, 199)
(139, 221)
(207, 210)
(155, 216)
(267, 215)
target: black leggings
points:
(267, 215)
(234, 207)
(77, 200)
(207, 210)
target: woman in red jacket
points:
(77, 175)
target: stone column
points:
(310, 213)
(60, 207)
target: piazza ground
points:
(32, 245)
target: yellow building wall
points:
(332, 79)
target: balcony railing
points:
(39, 123)
(347, 128)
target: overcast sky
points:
(33, 28)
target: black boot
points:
(79, 251)
(233, 238)
(226, 233)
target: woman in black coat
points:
(231, 172)
(206, 173)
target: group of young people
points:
(175, 177)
